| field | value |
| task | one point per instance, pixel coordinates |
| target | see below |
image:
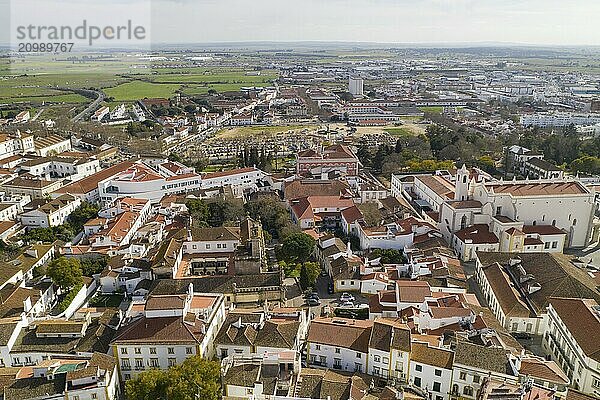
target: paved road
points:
(92, 107)
(333, 300)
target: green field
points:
(136, 90)
(433, 110)
(210, 77)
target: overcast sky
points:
(547, 22)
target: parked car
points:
(313, 302)
(330, 288)
(313, 296)
(347, 304)
(324, 273)
(346, 297)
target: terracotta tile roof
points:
(581, 317)
(539, 189)
(352, 214)
(173, 302)
(390, 333)
(214, 234)
(482, 357)
(505, 293)
(554, 273)
(341, 332)
(465, 204)
(477, 234)
(438, 185)
(413, 291)
(90, 183)
(304, 188)
(543, 230)
(162, 330)
(424, 354)
(573, 394)
(539, 368)
(221, 174)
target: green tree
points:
(297, 247)
(91, 266)
(65, 272)
(309, 272)
(586, 164)
(271, 213)
(151, 384)
(195, 378)
(83, 214)
(388, 256)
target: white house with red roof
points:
(337, 157)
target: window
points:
(575, 222)
(223, 353)
(554, 244)
(152, 350)
(94, 396)
(386, 360)
(337, 350)
(75, 397)
(377, 358)
(322, 360)
(337, 363)
(418, 367)
(154, 362)
(357, 367)
(172, 362)
(438, 372)
(468, 391)
(529, 327)
(318, 347)
(170, 350)
(515, 326)
(417, 381)
(138, 350)
(139, 363)
(123, 350)
(463, 376)
(437, 386)
(596, 383)
(358, 355)
(189, 350)
(476, 379)
(439, 398)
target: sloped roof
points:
(341, 332)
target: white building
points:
(431, 370)
(54, 213)
(558, 119)
(389, 349)
(339, 343)
(356, 86)
(171, 329)
(242, 181)
(570, 340)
